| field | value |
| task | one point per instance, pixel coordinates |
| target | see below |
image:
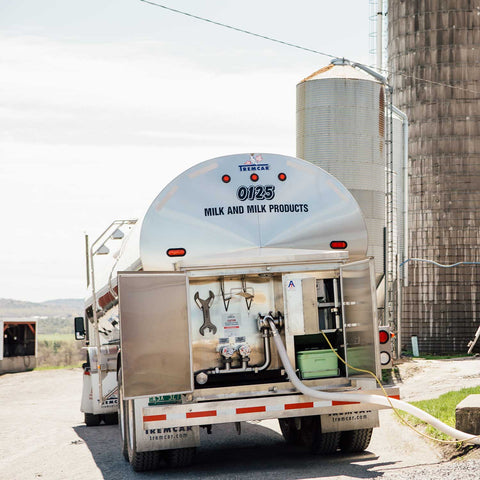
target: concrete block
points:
(467, 415)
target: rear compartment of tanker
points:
(233, 250)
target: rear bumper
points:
(261, 408)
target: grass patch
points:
(52, 337)
(442, 408)
(432, 356)
(58, 367)
(445, 357)
(59, 350)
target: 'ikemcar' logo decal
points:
(168, 430)
(254, 164)
(172, 433)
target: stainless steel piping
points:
(245, 367)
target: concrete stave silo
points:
(434, 47)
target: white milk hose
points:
(365, 398)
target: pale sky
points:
(103, 102)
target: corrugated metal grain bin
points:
(340, 127)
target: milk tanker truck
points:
(243, 294)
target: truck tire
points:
(290, 432)
(180, 457)
(325, 443)
(140, 461)
(317, 442)
(354, 441)
(110, 418)
(92, 420)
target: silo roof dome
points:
(345, 71)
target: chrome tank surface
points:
(242, 202)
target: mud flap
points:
(163, 438)
(354, 420)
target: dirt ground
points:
(42, 436)
(421, 379)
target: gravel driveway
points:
(42, 436)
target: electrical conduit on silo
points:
(365, 398)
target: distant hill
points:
(65, 307)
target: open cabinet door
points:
(360, 316)
(154, 334)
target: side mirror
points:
(79, 328)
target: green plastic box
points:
(317, 364)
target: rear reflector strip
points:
(154, 418)
(178, 415)
(209, 413)
(251, 410)
(294, 406)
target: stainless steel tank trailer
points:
(243, 294)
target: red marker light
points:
(282, 177)
(254, 177)
(176, 252)
(383, 336)
(226, 178)
(338, 245)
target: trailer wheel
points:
(326, 443)
(353, 441)
(140, 461)
(180, 457)
(111, 418)
(317, 442)
(92, 420)
(290, 432)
